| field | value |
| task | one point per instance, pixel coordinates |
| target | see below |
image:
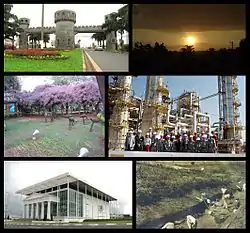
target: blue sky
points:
(203, 85)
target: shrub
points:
(32, 52)
(36, 54)
(9, 46)
(125, 48)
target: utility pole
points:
(42, 34)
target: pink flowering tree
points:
(49, 95)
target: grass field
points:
(73, 63)
(55, 138)
(165, 188)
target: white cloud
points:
(86, 14)
(111, 177)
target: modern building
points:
(66, 198)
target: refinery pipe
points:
(195, 121)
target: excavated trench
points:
(195, 210)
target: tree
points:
(46, 38)
(122, 21)
(211, 49)
(11, 83)
(11, 24)
(188, 49)
(112, 25)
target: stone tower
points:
(23, 37)
(65, 21)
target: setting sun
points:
(190, 40)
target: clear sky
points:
(28, 83)
(111, 177)
(203, 85)
(86, 14)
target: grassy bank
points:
(73, 63)
(166, 187)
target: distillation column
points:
(118, 123)
(153, 107)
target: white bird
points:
(223, 190)
(83, 152)
(208, 201)
(35, 133)
(202, 168)
(191, 222)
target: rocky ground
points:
(169, 191)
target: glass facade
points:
(80, 204)
(72, 202)
(63, 198)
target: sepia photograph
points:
(188, 38)
(66, 37)
(54, 116)
(172, 116)
(191, 194)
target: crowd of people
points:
(170, 142)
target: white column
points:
(57, 205)
(92, 199)
(24, 208)
(37, 217)
(68, 198)
(84, 198)
(42, 211)
(32, 210)
(77, 199)
(97, 204)
(48, 210)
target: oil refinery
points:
(176, 115)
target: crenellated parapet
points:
(65, 15)
(46, 30)
(88, 29)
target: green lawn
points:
(55, 138)
(73, 63)
(164, 188)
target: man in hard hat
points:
(130, 141)
(139, 141)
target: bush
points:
(9, 46)
(125, 48)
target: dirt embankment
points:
(167, 191)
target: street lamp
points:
(42, 26)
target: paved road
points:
(71, 226)
(109, 61)
(169, 154)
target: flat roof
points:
(60, 180)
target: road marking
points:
(110, 224)
(128, 223)
(96, 67)
(93, 224)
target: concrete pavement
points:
(68, 226)
(109, 61)
(171, 154)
